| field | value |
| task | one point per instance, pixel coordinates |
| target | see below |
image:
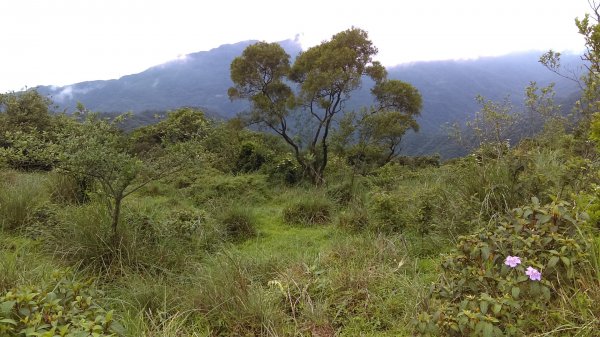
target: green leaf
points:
(24, 311)
(8, 321)
(488, 330)
(546, 293)
(496, 308)
(485, 252)
(565, 260)
(483, 306)
(7, 307)
(543, 218)
(553, 261)
(515, 291)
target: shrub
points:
(239, 223)
(354, 218)
(83, 236)
(151, 240)
(387, 211)
(308, 210)
(249, 187)
(485, 291)
(286, 170)
(63, 307)
(343, 193)
(250, 158)
(186, 223)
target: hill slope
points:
(202, 79)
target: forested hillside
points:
(201, 80)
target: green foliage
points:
(64, 307)
(69, 188)
(239, 223)
(286, 170)
(181, 125)
(229, 291)
(480, 295)
(308, 210)
(26, 111)
(361, 285)
(250, 158)
(325, 75)
(22, 262)
(153, 238)
(20, 199)
(214, 188)
(97, 150)
(355, 217)
(343, 192)
(386, 210)
(26, 126)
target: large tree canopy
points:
(323, 78)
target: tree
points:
(589, 82)
(97, 149)
(490, 128)
(181, 125)
(374, 135)
(324, 77)
(26, 111)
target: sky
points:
(60, 42)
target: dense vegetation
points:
(198, 227)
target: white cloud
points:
(111, 38)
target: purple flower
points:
(533, 274)
(512, 261)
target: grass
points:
(23, 262)
(22, 195)
(306, 261)
(167, 282)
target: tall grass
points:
(308, 209)
(22, 263)
(20, 197)
(239, 222)
(68, 189)
(230, 291)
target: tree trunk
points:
(115, 217)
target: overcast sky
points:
(59, 42)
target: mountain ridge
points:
(201, 80)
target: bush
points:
(286, 170)
(217, 187)
(387, 211)
(63, 307)
(186, 223)
(344, 192)
(239, 223)
(250, 158)
(308, 210)
(483, 294)
(355, 217)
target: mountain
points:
(201, 80)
